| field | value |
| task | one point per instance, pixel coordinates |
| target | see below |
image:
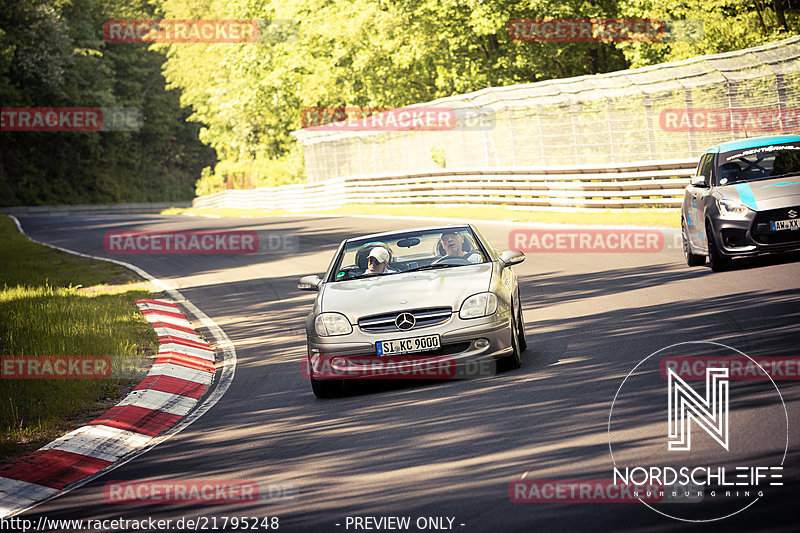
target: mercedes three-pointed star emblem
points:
(405, 321)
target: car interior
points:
(405, 253)
(760, 166)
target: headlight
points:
(330, 324)
(478, 305)
(729, 208)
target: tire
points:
(692, 259)
(717, 261)
(326, 388)
(523, 342)
(514, 360)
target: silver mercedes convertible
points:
(427, 303)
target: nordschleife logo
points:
(726, 434)
(686, 406)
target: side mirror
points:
(699, 181)
(309, 283)
(511, 257)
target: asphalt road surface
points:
(446, 452)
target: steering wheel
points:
(451, 260)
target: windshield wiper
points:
(432, 267)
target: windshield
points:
(763, 162)
(408, 252)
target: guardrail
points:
(94, 209)
(646, 184)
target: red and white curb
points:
(183, 370)
(164, 403)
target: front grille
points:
(762, 233)
(422, 318)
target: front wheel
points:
(514, 360)
(523, 342)
(717, 261)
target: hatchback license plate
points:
(779, 225)
(411, 345)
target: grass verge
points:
(644, 217)
(56, 304)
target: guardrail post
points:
(687, 98)
(648, 120)
(780, 85)
(610, 113)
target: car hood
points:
(383, 294)
(765, 194)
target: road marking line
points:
(189, 350)
(165, 332)
(189, 361)
(139, 419)
(159, 401)
(56, 469)
(200, 345)
(16, 494)
(173, 385)
(181, 372)
(101, 442)
(161, 319)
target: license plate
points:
(411, 345)
(779, 225)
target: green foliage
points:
(57, 304)
(727, 25)
(385, 54)
(52, 54)
(243, 100)
(439, 156)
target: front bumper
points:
(751, 234)
(469, 349)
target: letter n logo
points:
(685, 406)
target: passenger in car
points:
(377, 262)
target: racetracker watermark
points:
(132, 31)
(180, 31)
(198, 491)
(603, 30)
(200, 242)
(739, 368)
(398, 367)
(587, 240)
(596, 491)
(70, 119)
(737, 119)
(400, 119)
(55, 367)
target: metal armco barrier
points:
(94, 209)
(645, 184)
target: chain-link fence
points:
(668, 111)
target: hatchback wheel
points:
(692, 259)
